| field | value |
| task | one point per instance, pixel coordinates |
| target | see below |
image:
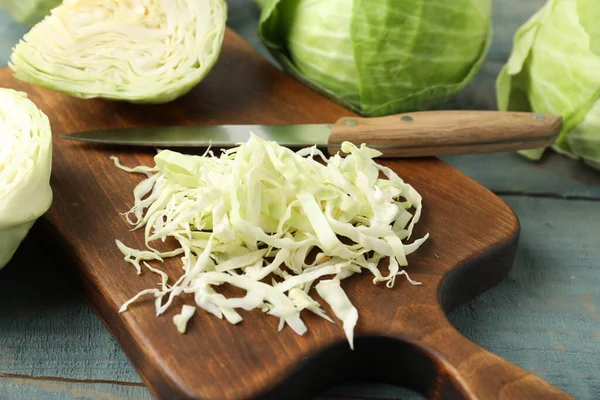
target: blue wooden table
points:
(545, 317)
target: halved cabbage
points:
(142, 51)
(25, 164)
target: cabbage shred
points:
(253, 216)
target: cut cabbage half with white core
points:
(275, 224)
(142, 51)
(28, 12)
(25, 164)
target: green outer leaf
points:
(28, 12)
(29, 62)
(426, 46)
(589, 17)
(584, 139)
(391, 51)
(317, 37)
(260, 3)
(554, 37)
(512, 96)
(269, 27)
(522, 45)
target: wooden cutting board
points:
(402, 336)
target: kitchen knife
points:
(418, 134)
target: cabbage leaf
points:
(141, 51)
(25, 166)
(553, 69)
(379, 57)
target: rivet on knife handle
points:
(434, 133)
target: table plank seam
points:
(338, 396)
(71, 380)
(350, 397)
(548, 195)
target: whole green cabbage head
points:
(379, 57)
(141, 51)
(25, 165)
(555, 68)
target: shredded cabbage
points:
(252, 217)
(180, 320)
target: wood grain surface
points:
(438, 133)
(405, 339)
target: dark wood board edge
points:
(426, 373)
(334, 365)
(468, 280)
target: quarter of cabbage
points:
(379, 57)
(28, 12)
(142, 51)
(25, 164)
(554, 68)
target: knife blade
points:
(213, 135)
(418, 134)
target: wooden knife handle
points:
(436, 133)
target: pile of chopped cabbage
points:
(251, 217)
(25, 165)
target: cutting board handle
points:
(436, 133)
(467, 371)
